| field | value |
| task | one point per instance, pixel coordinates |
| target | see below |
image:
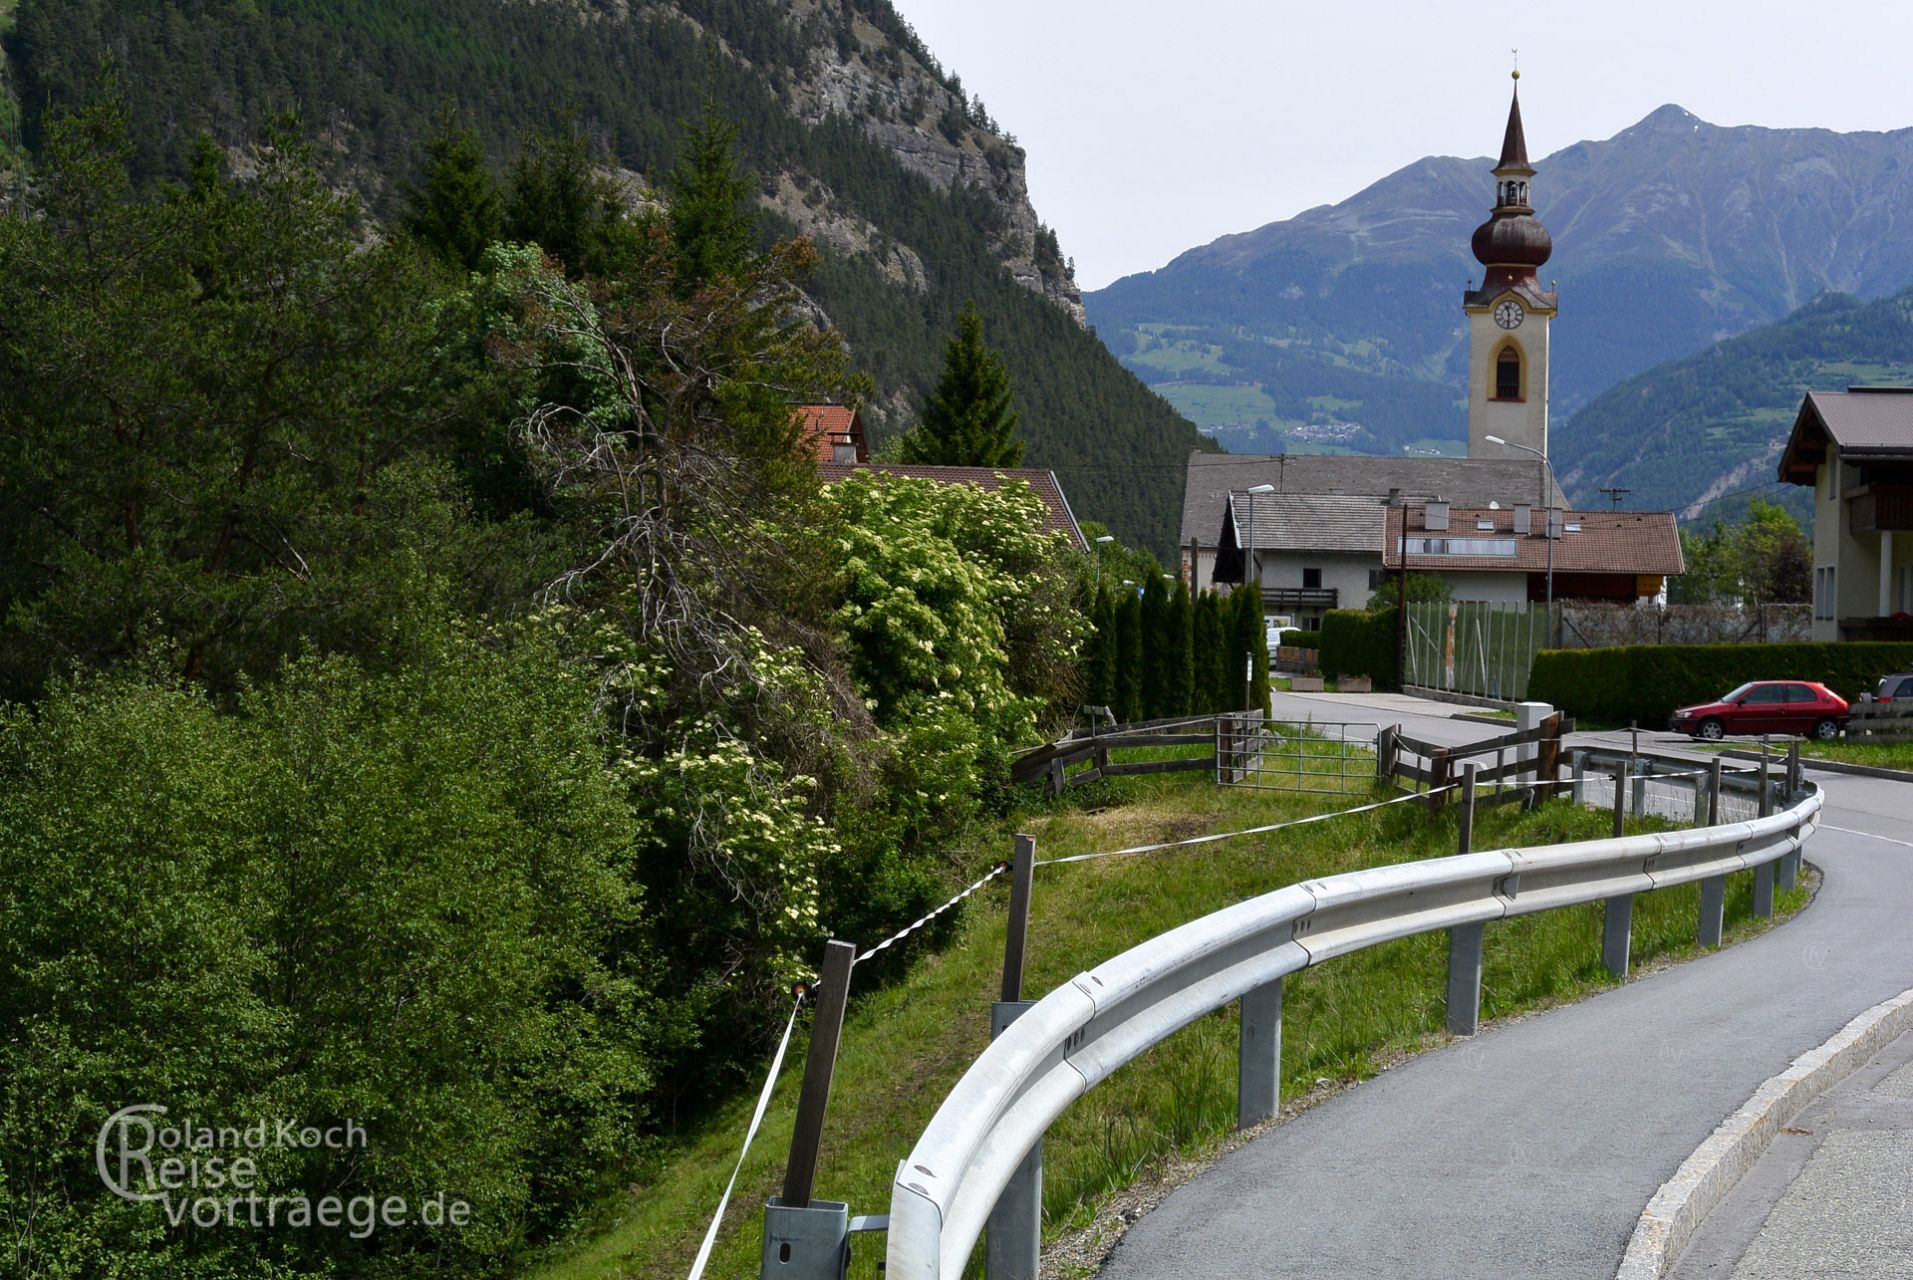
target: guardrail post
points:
(1015, 1226)
(1259, 1056)
(1620, 798)
(1617, 930)
(1464, 979)
(1022, 869)
(1580, 784)
(1764, 890)
(806, 1239)
(1713, 906)
(1713, 793)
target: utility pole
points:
(1614, 497)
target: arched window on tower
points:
(1508, 374)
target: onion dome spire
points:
(1512, 243)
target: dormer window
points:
(1508, 374)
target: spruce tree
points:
(454, 210)
(712, 231)
(1245, 636)
(968, 421)
(558, 200)
(1099, 651)
(1178, 655)
(1126, 691)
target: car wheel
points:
(1826, 730)
(1711, 729)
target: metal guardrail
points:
(1069, 1041)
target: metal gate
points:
(1332, 756)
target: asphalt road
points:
(1530, 1150)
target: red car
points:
(1766, 706)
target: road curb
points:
(1705, 1178)
(1832, 766)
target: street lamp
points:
(1101, 542)
(1252, 490)
(1547, 519)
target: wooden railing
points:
(1881, 721)
(1434, 766)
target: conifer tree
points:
(1099, 651)
(1178, 655)
(1245, 636)
(454, 210)
(712, 231)
(968, 421)
(1205, 640)
(1155, 636)
(1126, 690)
(557, 200)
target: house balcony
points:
(1880, 508)
(1295, 599)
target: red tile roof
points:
(827, 425)
(1645, 543)
(1057, 516)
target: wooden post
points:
(1440, 774)
(1550, 762)
(1022, 868)
(1795, 783)
(1466, 842)
(1620, 798)
(813, 1100)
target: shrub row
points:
(1644, 683)
(1358, 642)
(1303, 639)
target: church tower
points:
(1508, 315)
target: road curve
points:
(1530, 1150)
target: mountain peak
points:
(1670, 116)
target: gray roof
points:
(1309, 522)
(1867, 417)
(1864, 421)
(1466, 482)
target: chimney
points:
(1435, 516)
(1522, 511)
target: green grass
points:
(1887, 755)
(905, 1045)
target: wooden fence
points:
(1426, 764)
(1049, 764)
(1880, 722)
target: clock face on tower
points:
(1509, 314)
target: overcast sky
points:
(1154, 127)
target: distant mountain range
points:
(1341, 328)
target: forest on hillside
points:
(365, 79)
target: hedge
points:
(1303, 640)
(1356, 642)
(1644, 683)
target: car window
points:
(1906, 688)
(1735, 695)
(1801, 693)
(1767, 694)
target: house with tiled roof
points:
(1057, 516)
(1616, 557)
(833, 432)
(1855, 447)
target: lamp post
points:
(1101, 542)
(1252, 490)
(1547, 520)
